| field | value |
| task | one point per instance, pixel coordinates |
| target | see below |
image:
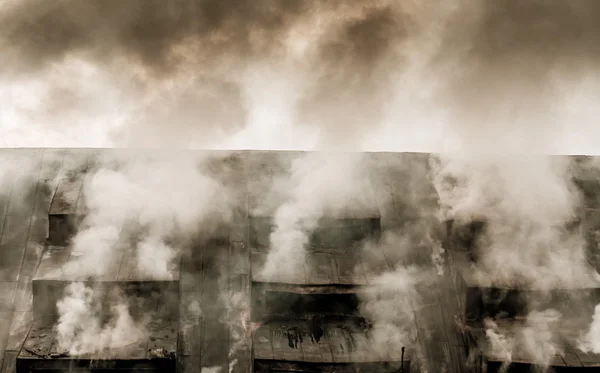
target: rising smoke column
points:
(501, 346)
(538, 339)
(80, 329)
(590, 341)
(508, 77)
(511, 96)
(390, 305)
(169, 201)
(526, 201)
(319, 185)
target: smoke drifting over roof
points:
(469, 76)
(195, 73)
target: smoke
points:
(515, 91)
(164, 198)
(319, 185)
(500, 346)
(211, 369)
(536, 340)
(356, 75)
(111, 30)
(237, 318)
(477, 78)
(590, 341)
(539, 336)
(437, 257)
(143, 212)
(391, 306)
(526, 204)
(82, 329)
(196, 67)
(531, 238)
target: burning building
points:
(307, 316)
(530, 307)
(276, 262)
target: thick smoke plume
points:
(319, 185)
(82, 330)
(526, 203)
(590, 342)
(197, 58)
(471, 77)
(377, 74)
(391, 305)
(536, 340)
(540, 336)
(143, 208)
(531, 238)
(501, 346)
(184, 201)
(338, 185)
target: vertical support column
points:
(64, 213)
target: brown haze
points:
(489, 85)
(355, 74)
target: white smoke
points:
(391, 305)
(438, 93)
(319, 185)
(155, 258)
(82, 330)
(590, 341)
(536, 340)
(539, 337)
(500, 346)
(211, 369)
(159, 197)
(145, 209)
(526, 203)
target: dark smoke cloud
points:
(511, 65)
(350, 89)
(194, 53)
(544, 31)
(344, 70)
(146, 31)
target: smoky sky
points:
(490, 60)
(551, 30)
(512, 64)
(144, 31)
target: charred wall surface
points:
(214, 329)
(496, 311)
(228, 315)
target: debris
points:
(161, 353)
(35, 353)
(59, 354)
